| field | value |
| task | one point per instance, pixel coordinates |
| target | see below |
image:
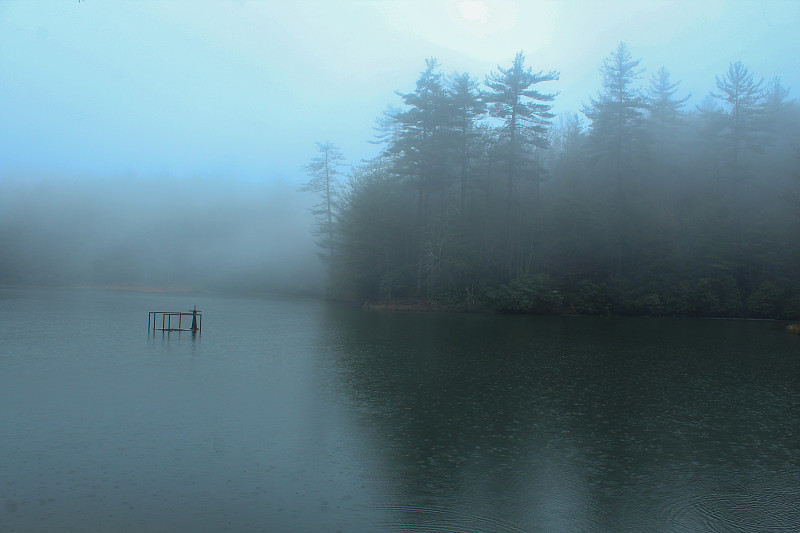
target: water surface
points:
(297, 415)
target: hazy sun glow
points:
(473, 11)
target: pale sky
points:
(243, 89)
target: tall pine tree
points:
(524, 113)
(664, 108)
(742, 100)
(323, 171)
(616, 140)
(417, 143)
(526, 116)
(616, 114)
(468, 107)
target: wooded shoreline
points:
(642, 206)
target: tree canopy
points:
(483, 199)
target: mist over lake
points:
(214, 234)
(460, 265)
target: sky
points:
(244, 89)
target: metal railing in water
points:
(166, 320)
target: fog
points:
(475, 158)
(162, 233)
(162, 144)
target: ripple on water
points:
(751, 507)
(437, 520)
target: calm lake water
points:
(287, 415)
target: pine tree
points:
(742, 99)
(616, 113)
(616, 142)
(418, 144)
(468, 107)
(413, 134)
(664, 108)
(323, 171)
(779, 114)
(525, 117)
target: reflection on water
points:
(302, 416)
(519, 423)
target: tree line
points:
(482, 198)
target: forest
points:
(641, 204)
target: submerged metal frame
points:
(166, 320)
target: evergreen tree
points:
(468, 108)
(692, 244)
(323, 171)
(418, 145)
(375, 258)
(567, 139)
(616, 113)
(742, 100)
(664, 108)
(525, 117)
(616, 141)
(413, 134)
(779, 114)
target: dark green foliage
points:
(714, 297)
(589, 298)
(371, 261)
(525, 116)
(535, 294)
(616, 114)
(742, 99)
(766, 300)
(645, 210)
(791, 308)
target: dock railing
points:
(166, 320)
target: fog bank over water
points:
(203, 233)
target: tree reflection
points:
(560, 423)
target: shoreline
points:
(410, 306)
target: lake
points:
(300, 415)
